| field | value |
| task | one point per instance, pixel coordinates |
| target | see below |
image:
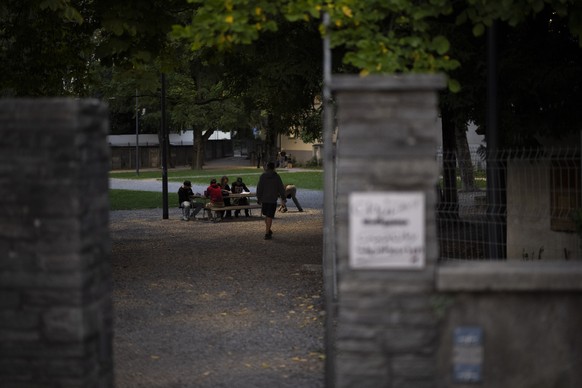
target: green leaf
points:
(441, 44)
(71, 14)
(478, 29)
(538, 5)
(115, 26)
(144, 56)
(454, 85)
(462, 18)
(53, 5)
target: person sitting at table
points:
(290, 192)
(225, 193)
(185, 195)
(239, 187)
(214, 192)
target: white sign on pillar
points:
(387, 230)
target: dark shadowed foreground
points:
(201, 304)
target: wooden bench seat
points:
(232, 207)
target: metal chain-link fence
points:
(519, 204)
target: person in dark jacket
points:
(225, 192)
(269, 188)
(185, 194)
(239, 187)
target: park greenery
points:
(136, 200)
(131, 199)
(239, 65)
(311, 179)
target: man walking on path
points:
(269, 188)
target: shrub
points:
(313, 162)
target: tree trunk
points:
(270, 137)
(197, 149)
(464, 159)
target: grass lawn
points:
(304, 179)
(132, 200)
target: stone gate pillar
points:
(55, 275)
(385, 230)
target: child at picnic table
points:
(225, 192)
(189, 208)
(214, 192)
(239, 187)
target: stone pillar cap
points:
(408, 81)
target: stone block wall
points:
(530, 316)
(386, 322)
(55, 274)
(493, 324)
(530, 339)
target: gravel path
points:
(202, 304)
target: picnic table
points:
(212, 211)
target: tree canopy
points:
(263, 59)
(377, 36)
(45, 47)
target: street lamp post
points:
(136, 134)
(164, 142)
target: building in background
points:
(124, 148)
